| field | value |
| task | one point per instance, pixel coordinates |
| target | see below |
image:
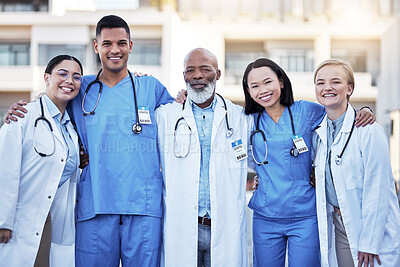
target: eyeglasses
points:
(64, 75)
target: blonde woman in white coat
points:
(38, 175)
(357, 209)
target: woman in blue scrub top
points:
(284, 203)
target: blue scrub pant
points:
(271, 237)
(106, 239)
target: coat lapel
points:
(322, 130)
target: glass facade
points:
(48, 51)
(294, 60)
(14, 54)
(24, 5)
(236, 63)
(146, 52)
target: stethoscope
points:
(42, 118)
(338, 159)
(293, 152)
(229, 130)
(137, 127)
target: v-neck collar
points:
(280, 121)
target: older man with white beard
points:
(203, 148)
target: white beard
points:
(199, 96)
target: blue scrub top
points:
(123, 175)
(284, 190)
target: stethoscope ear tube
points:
(229, 131)
(43, 118)
(85, 113)
(264, 139)
(338, 159)
(137, 127)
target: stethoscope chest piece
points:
(229, 132)
(88, 113)
(294, 152)
(338, 160)
(136, 128)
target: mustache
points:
(198, 82)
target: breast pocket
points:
(351, 169)
(148, 130)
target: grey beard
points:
(202, 95)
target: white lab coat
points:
(365, 190)
(181, 187)
(29, 191)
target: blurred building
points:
(297, 34)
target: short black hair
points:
(286, 98)
(58, 59)
(112, 21)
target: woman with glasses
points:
(39, 158)
(284, 204)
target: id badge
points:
(238, 148)
(299, 143)
(144, 115)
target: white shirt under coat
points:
(365, 190)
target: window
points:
(238, 54)
(146, 52)
(356, 58)
(24, 5)
(14, 54)
(47, 52)
(295, 60)
(236, 63)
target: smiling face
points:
(63, 83)
(200, 74)
(113, 46)
(265, 88)
(332, 88)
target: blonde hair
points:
(336, 62)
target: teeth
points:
(114, 58)
(328, 95)
(66, 89)
(266, 97)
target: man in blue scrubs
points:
(119, 194)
